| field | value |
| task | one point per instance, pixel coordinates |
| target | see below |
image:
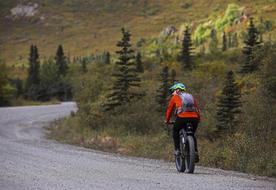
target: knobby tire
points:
(190, 157)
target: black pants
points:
(182, 123)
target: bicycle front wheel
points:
(179, 159)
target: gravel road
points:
(29, 161)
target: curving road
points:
(29, 161)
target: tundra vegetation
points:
(227, 62)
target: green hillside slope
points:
(91, 26)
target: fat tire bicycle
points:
(185, 160)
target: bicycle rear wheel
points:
(190, 155)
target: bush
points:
(52, 85)
(233, 12)
(133, 119)
(7, 91)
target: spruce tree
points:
(6, 89)
(18, 83)
(186, 51)
(252, 43)
(163, 90)
(125, 73)
(228, 107)
(32, 82)
(268, 71)
(138, 62)
(106, 58)
(84, 65)
(61, 61)
(235, 41)
(230, 45)
(224, 41)
(213, 45)
(50, 82)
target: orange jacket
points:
(176, 102)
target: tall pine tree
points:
(138, 62)
(106, 58)
(230, 44)
(84, 65)
(32, 83)
(213, 45)
(61, 61)
(6, 89)
(224, 42)
(125, 73)
(185, 56)
(235, 40)
(163, 90)
(252, 43)
(228, 107)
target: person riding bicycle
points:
(186, 111)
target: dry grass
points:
(94, 26)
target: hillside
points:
(92, 26)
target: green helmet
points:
(176, 86)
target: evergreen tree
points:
(186, 51)
(268, 70)
(261, 29)
(138, 62)
(32, 83)
(228, 107)
(173, 76)
(50, 80)
(106, 58)
(163, 90)
(18, 84)
(213, 45)
(230, 45)
(84, 65)
(126, 78)
(252, 43)
(235, 41)
(52, 84)
(6, 89)
(224, 42)
(61, 61)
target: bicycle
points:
(185, 161)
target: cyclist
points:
(186, 111)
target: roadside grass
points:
(155, 145)
(238, 154)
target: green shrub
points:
(233, 12)
(202, 32)
(7, 91)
